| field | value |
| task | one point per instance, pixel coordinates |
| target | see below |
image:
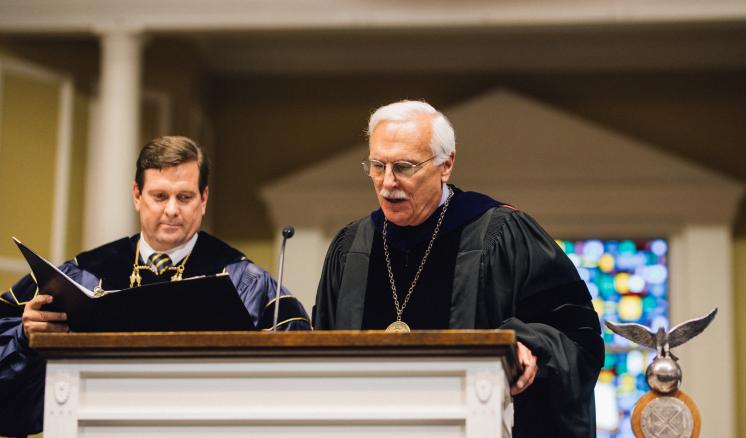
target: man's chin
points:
(168, 241)
(397, 217)
(170, 229)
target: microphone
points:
(287, 233)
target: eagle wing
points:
(689, 329)
(634, 332)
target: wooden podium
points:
(299, 384)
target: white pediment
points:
(573, 174)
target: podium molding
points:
(451, 383)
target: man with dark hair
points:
(170, 151)
(170, 195)
(436, 257)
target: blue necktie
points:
(160, 261)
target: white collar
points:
(445, 191)
(176, 254)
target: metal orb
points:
(663, 375)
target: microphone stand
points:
(287, 233)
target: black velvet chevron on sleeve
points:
(290, 310)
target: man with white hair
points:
(436, 257)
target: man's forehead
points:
(183, 174)
(418, 126)
(413, 135)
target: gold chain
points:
(400, 308)
(135, 277)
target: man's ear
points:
(136, 196)
(204, 195)
(447, 167)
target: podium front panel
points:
(321, 394)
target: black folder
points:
(193, 304)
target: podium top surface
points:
(251, 344)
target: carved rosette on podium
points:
(665, 411)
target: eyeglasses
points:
(400, 169)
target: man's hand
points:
(36, 320)
(528, 360)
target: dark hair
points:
(168, 151)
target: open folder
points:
(192, 304)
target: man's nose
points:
(389, 179)
(172, 208)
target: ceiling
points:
(638, 47)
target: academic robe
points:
(22, 370)
(503, 271)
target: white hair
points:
(443, 141)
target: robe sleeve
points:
(331, 277)
(551, 312)
(257, 289)
(21, 368)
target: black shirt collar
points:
(464, 208)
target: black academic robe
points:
(507, 273)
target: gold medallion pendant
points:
(398, 327)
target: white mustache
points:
(393, 194)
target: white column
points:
(702, 278)
(114, 140)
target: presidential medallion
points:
(398, 327)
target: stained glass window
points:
(628, 282)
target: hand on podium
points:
(36, 320)
(528, 361)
